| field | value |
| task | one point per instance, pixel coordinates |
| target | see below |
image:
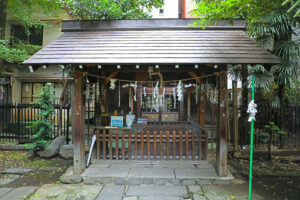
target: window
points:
(161, 12)
(35, 37)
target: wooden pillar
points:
(235, 116)
(222, 125)
(78, 124)
(132, 100)
(188, 104)
(139, 101)
(202, 102)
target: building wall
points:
(190, 5)
(170, 9)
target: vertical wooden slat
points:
(135, 145)
(110, 145)
(186, 145)
(200, 145)
(104, 144)
(174, 145)
(205, 145)
(129, 145)
(148, 145)
(168, 144)
(180, 145)
(154, 144)
(161, 150)
(193, 145)
(98, 144)
(142, 145)
(117, 145)
(123, 144)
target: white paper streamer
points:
(156, 92)
(112, 84)
(134, 87)
(145, 92)
(252, 110)
(179, 91)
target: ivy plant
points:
(43, 126)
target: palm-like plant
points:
(295, 5)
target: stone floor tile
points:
(113, 192)
(19, 193)
(151, 173)
(156, 190)
(4, 191)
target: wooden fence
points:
(151, 145)
(15, 119)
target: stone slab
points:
(7, 179)
(4, 191)
(111, 192)
(66, 192)
(160, 198)
(152, 173)
(106, 172)
(19, 193)
(156, 190)
(19, 171)
(196, 173)
(99, 166)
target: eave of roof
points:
(151, 42)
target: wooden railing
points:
(121, 144)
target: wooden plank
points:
(180, 145)
(168, 144)
(152, 55)
(135, 144)
(194, 75)
(154, 144)
(129, 145)
(174, 145)
(200, 156)
(161, 150)
(205, 150)
(193, 145)
(110, 145)
(117, 146)
(179, 60)
(123, 144)
(78, 124)
(222, 129)
(132, 100)
(186, 145)
(142, 145)
(148, 145)
(98, 144)
(104, 144)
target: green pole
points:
(251, 144)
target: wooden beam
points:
(194, 75)
(112, 75)
(235, 116)
(78, 124)
(222, 125)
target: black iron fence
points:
(286, 117)
(15, 120)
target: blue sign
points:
(116, 121)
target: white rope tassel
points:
(179, 91)
(252, 110)
(145, 92)
(112, 84)
(174, 96)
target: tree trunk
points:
(244, 106)
(3, 6)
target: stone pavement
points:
(19, 193)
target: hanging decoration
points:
(174, 97)
(112, 84)
(156, 91)
(179, 91)
(134, 87)
(129, 98)
(145, 92)
(252, 110)
(97, 90)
